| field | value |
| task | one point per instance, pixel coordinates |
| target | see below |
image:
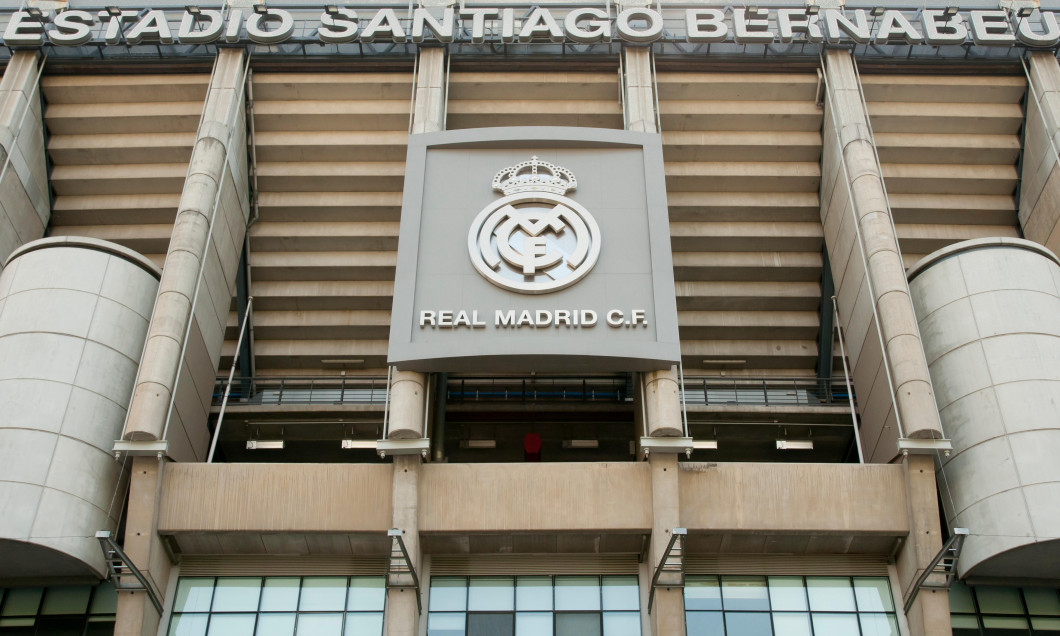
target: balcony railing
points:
(540, 389)
(303, 390)
(719, 391)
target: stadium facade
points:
(563, 318)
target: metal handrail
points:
(539, 389)
(758, 391)
(289, 390)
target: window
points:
(81, 610)
(279, 606)
(534, 606)
(987, 610)
(789, 606)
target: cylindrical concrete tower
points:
(73, 318)
(989, 315)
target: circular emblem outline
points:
(478, 238)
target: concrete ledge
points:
(275, 498)
(575, 497)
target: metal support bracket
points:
(125, 448)
(666, 445)
(119, 566)
(944, 564)
(671, 569)
(419, 447)
(400, 574)
(908, 446)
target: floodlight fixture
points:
(876, 11)
(813, 9)
(949, 12)
(265, 444)
(193, 9)
(261, 8)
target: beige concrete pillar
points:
(217, 165)
(869, 274)
(1039, 204)
(408, 389)
(136, 615)
(429, 109)
(668, 609)
(640, 91)
(25, 207)
(930, 612)
(662, 402)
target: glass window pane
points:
(448, 594)
(702, 593)
(236, 595)
(961, 598)
(998, 600)
(745, 593)
(1005, 622)
(834, 624)
(280, 594)
(621, 623)
(232, 625)
(577, 593)
(1045, 625)
(533, 624)
(490, 624)
(621, 593)
(104, 600)
(878, 625)
(100, 628)
(188, 625)
(787, 593)
(367, 594)
(704, 624)
(577, 624)
(275, 625)
(364, 624)
(748, 623)
(193, 595)
(791, 624)
(533, 593)
(445, 625)
(1042, 601)
(873, 594)
(66, 600)
(965, 622)
(491, 593)
(22, 601)
(830, 594)
(319, 625)
(60, 625)
(322, 593)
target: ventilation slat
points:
(803, 564)
(527, 564)
(282, 566)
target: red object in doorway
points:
(532, 447)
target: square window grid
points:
(76, 610)
(789, 606)
(279, 606)
(560, 605)
(987, 610)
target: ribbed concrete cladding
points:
(73, 317)
(119, 146)
(989, 312)
(742, 172)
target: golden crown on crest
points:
(535, 175)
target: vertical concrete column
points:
(930, 613)
(25, 207)
(640, 91)
(668, 610)
(869, 273)
(408, 389)
(136, 614)
(1039, 205)
(662, 401)
(189, 245)
(429, 108)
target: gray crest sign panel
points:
(534, 249)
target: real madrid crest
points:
(534, 240)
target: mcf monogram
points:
(534, 240)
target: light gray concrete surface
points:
(989, 312)
(73, 318)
